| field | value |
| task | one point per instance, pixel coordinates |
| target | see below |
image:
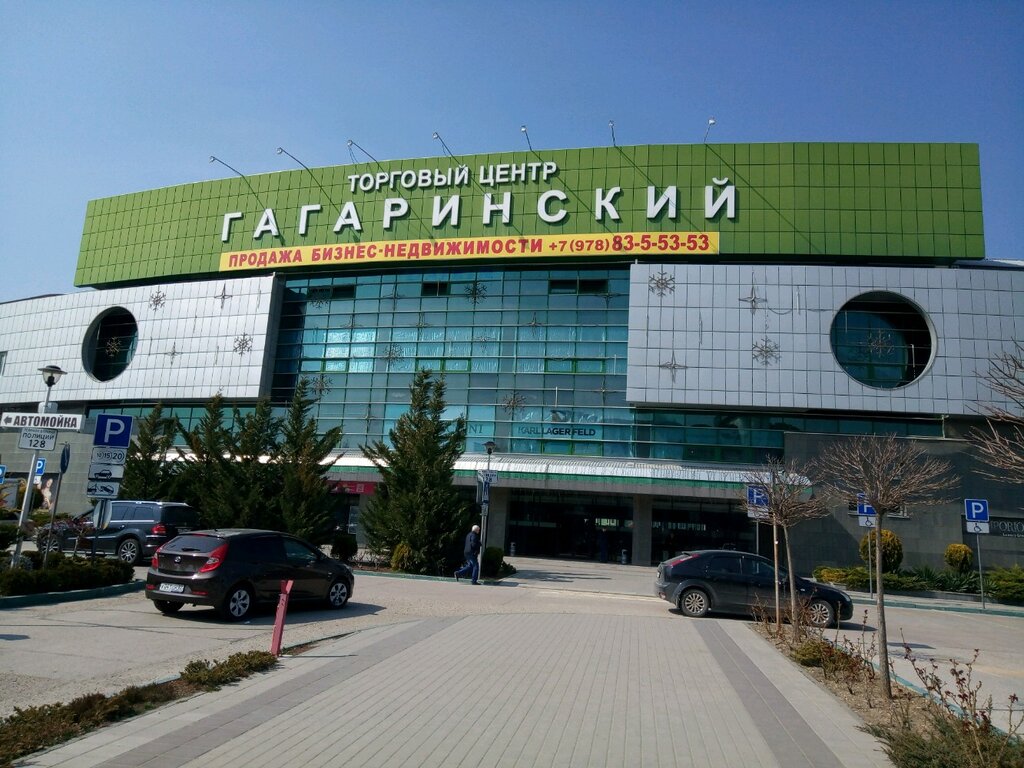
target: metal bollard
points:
(622, 557)
(512, 550)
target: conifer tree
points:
(306, 503)
(202, 464)
(417, 503)
(246, 491)
(148, 473)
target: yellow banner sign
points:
(456, 248)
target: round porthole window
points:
(882, 340)
(110, 343)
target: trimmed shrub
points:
(63, 574)
(401, 558)
(892, 550)
(1006, 584)
(834, 575)
(344, 546)
(959, 557)
(212, 675)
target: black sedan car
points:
(236, 570)
(737, 582)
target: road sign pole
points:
(981, 578)
(26, 504)
(871, 535)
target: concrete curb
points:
(994, 609)
(49, 598)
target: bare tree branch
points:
(894, 474)
(789, 501)
(1001, 441)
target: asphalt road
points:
(55, 652)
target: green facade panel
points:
(831, 202)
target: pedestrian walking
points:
(471, 552)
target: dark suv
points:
(236, 569)
(738, 582)
(134, 531)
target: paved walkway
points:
(515, 689)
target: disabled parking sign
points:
(976, 515)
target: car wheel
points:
(337, 594)
(820, 613)
(128, 551)
(238, 604)
(695, 603)
(50, 544)
(166, 606)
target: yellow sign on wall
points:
(459, 248)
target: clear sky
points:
(106, 97)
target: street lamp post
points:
(485, 502)
(51, 375)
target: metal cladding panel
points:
(841, 202)
(193, 340)
(759, 336)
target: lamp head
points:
(489, 446)
(213, 159)
(349, 143)
(436, 135)
(522, 128)
(51, 374)
(711, 121)
(280, 150)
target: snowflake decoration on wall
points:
(880, 344)
(672, 366)
(661, 283)
(393, 353)
(753, 299)
(422, 322)
(766, 351)
(476, 292)
(157, 300)
(513, 403)
(243, 344)
(535, 325)
(223, 295)
(320, 386)
(173, 352)
(112, 347)
(608, 296)
(320, 296)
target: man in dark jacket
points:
(471, 552)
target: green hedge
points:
(1006, 584)
(63, 574)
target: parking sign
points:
(113, 431)
(976, 510)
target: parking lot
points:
(54, 652)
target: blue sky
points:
(104, 98)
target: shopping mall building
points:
(633, 328)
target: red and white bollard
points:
(282, 610)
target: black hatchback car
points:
(737, 582)
(237, 569)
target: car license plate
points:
(166, 587)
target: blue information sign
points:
(756, 497)
(976, 510)
(113, 431)
(40, 466)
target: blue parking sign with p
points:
(756, 497)
(113, 431)
(976, 510)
